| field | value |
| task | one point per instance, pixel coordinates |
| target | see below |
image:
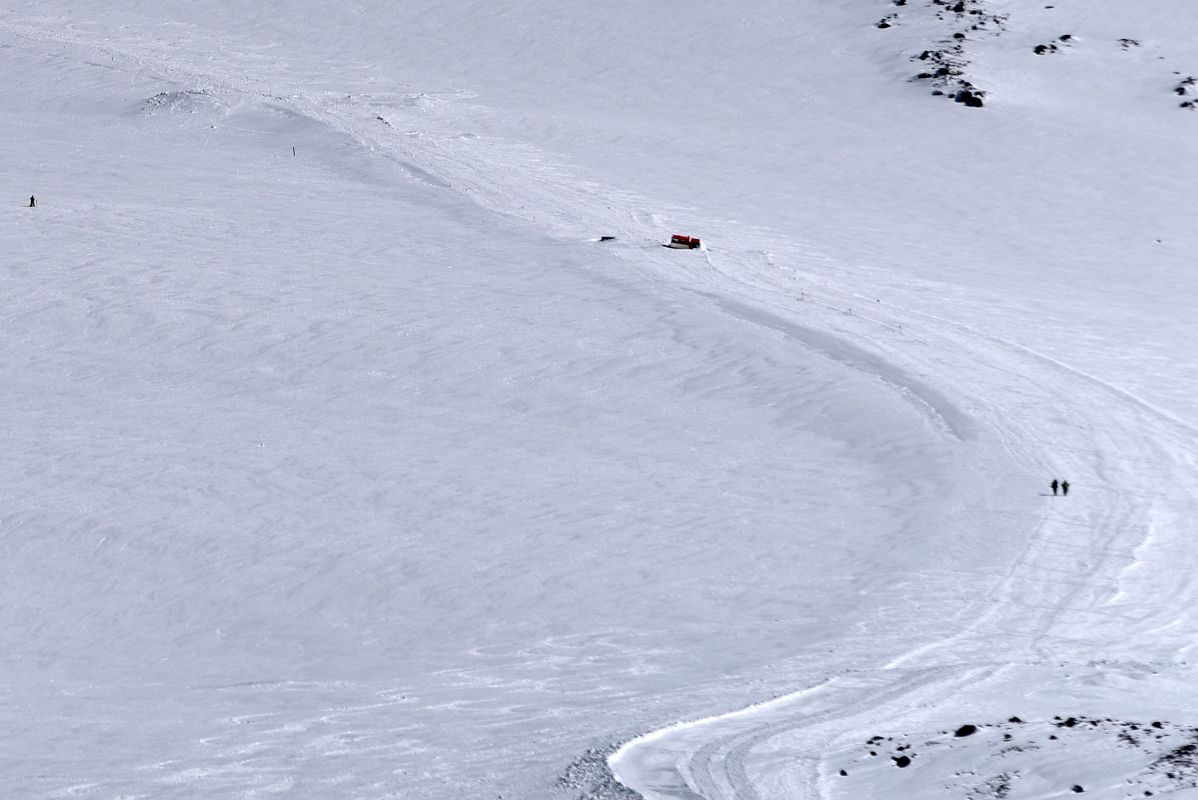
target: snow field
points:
(283, 442)
(361, 472)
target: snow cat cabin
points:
(680, 242)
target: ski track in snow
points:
(1088, 580)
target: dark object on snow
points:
(1065, 487)
(902, 761)
(607, 238)
(1077, 789)
(969, 98)
(966, 730)
(1055, 485)
(680, 242)
(1015, 720)
(32, 201)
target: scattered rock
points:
(1186, 86)
(997, 787)
(970, 97)
(946, 66)
(589, 778)
(1172, 752)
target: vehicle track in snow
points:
(1089, 582)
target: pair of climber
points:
(1062, 485)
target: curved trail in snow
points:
(1108, 573)
(1105, 579)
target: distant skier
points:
(1054, 486)
(32, 201)
(1065, 487)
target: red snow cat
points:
(680, 242)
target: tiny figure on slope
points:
(32, 201)
(1065, 487)
(1054, 486)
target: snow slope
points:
(363, 472)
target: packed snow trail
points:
(425, 133)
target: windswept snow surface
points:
(364, 472)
